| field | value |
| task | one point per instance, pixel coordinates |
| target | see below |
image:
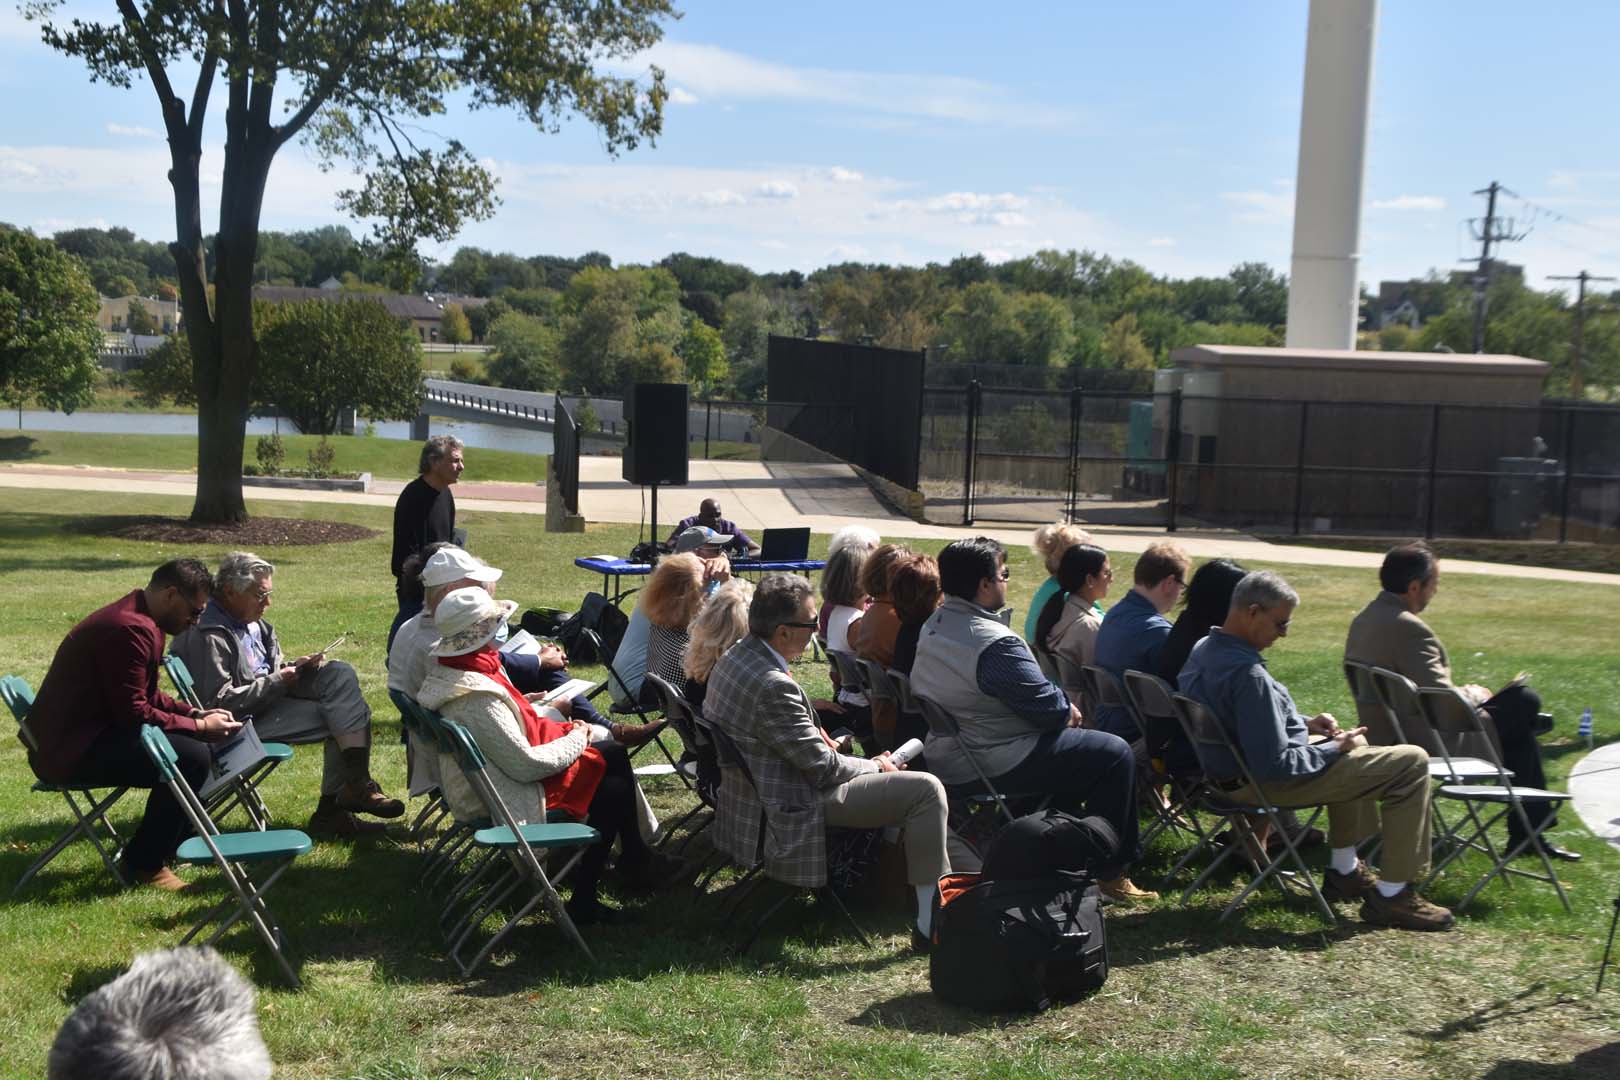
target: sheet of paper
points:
(567, 691)
(231, 758)
(522, 643)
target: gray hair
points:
(240, 570)
(777, 600)
(436, 449)
(1265, 588)
(858, 536)
(178, 1014)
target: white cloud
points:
(715, 73)
(957, 201)
(778, 189)
(56, 225)
(1162, 242)
(1261, 207)
(718, 197)
(136, 132)
(679, 95)
(843, 175)
(1410, 202)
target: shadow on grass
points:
(1601, 1061)
(20, 448)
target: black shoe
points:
(592, 912)
(657, 871)
(921, 943)
(1561, 854)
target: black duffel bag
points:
(596, 612)
(1029, 929)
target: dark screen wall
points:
(863, 403)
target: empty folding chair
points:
(630, 706)
(519, 844)
(1449, 713)
(734, 769)
(232, 853)
(681, 716)
(1208, 734)
(1150, 699)
(243, 790)
(90, 819)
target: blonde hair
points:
(720, 623)
(674, 591)
(1051, 541)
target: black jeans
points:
(1088, 773)
(1514, 713)
(118, 759)
(613, 816)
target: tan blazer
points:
(1385, 634)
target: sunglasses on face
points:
(801, 625)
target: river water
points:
(481, 436)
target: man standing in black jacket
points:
(424, 514)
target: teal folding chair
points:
(519, 844)
(90, 819)
(242, 791)
(272, 849)
(432, 815)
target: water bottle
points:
(1586, 726)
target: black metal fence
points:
(565, 458)
(1102, 457)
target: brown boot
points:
(361, 795)
(161, 878)
(331, 820)
(1406, 910)
(1358, 884)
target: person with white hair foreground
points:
(176, 1014)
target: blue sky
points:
(799, 135)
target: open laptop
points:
(783, 545)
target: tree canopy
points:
(48, 334)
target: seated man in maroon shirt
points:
(102, 686)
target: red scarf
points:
(570, 790)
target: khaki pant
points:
(1369, 784)
(322, 706)
(915, 801)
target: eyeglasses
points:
(262, 595)
(801, 625)
(1181, 582)
(1006, 573)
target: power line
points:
(1492, 230)
(1575, 387)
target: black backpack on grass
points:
(1028, 930)
(596, 612)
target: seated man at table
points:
(708, 516)
(1022, 730)
(236, 661)
(102, 687)
(1361, 786)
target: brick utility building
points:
(1351, 441)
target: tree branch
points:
(205, 81)
(167, 101)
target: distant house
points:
(423, 313)
(113, 317)
(1396, 306)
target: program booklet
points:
(231, 758)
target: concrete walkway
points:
(754, 495)
(1595, 785)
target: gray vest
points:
(946, 673)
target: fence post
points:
(1570, 415)
(970, 451)
(1172, 452)
(1076, 405)
(1434, 470)
(708, 414)
(1299, 465)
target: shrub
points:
(320, 459)
(463, 370)
(271, 454)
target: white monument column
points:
(1323, 295)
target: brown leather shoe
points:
(334, 822)
(633, 735)
(161, 878)
(1358, 884)
(1406, 910)
(367, 798)
(1123, 889)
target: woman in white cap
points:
(537, 759)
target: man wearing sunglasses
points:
(102, 687)
(1135, 629)
(1365, 788)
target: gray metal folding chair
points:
(89, 820)
(232, 854)
(1448, 712)
(243, 790)
(681, 716)
(1106, 690)
(1208, 734)
(1151, 701)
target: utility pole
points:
(1575, 387)
(1494, 230)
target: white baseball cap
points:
(453, 564)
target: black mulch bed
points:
(253, 533)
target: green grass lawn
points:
(391, 458)
(1272, 993)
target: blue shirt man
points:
(1135, 629)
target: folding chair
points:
(242, 791)
(1398, 697)
(1104, 689)
(680, 714)
(518, 843)
(450, 852)
(90, 819)
(436, 809)
(1150, 700)
(631, 706)
(1046, 661)
(231, 853)
(733, 766)
(881, 686)
(1208, 734)
(1449, 713)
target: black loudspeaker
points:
(655, 446)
